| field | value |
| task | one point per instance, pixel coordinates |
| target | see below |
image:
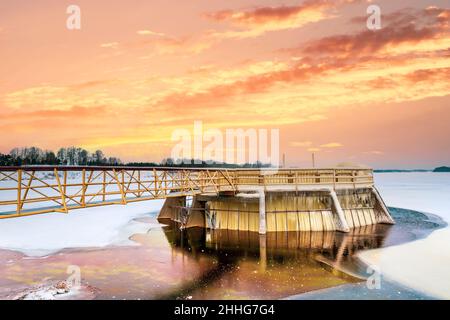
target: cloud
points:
(84, 94)
(332, 145)
(362, 55)
(374, 152)
(252, 93)
(247, 24)
(112, 45)
(150, 33)
(186, 45)
(314, 149)
(71, 113)
(405, 29)
(429, 75)
(260, 20)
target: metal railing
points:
(42, 189)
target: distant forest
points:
(74, 156)
(71, 156)
(442, 169)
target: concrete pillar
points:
(169, 210)
(386, 216)
(262, 212)
(262, 253)
(339, 212)
(196, 218)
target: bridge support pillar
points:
(262, 253)
(262, 212)
(337, 209)
(171, 207)
(196, 214)
(383, 215)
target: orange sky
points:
(137, 70)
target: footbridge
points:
(30, 190)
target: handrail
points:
(129, 168)
(24, 191)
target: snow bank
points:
(422, 265)
(41, 235)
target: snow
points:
(41, 235)
(420, 191)
(422, 265)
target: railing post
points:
(83, 190)
(123, 181)
(334, 179)
(104, 186)
(165, 183)
(19, 190)
(139, 183)
(155, 181)
(27, 189)
(61, 190)
(124, 199)
(65, 182)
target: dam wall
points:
(285, 210)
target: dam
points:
(288, 200)
(253, 200)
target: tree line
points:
(193, 163)
(71, 156)
(74, 156)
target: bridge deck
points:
(42, 189)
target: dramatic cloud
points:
(247, 24)
(406, 29)
(83, 92)
(263, 19)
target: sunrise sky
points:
(137, 70)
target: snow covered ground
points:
(44, 234)
(424, 264)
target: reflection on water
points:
(250, 265)
(202, 264)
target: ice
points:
(41, 235)
(421, 265)
(420, 191)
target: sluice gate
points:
(259, 200)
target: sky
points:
(138, 70)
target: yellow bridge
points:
(42, 189)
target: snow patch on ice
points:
(41, 235)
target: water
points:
(202, 264)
